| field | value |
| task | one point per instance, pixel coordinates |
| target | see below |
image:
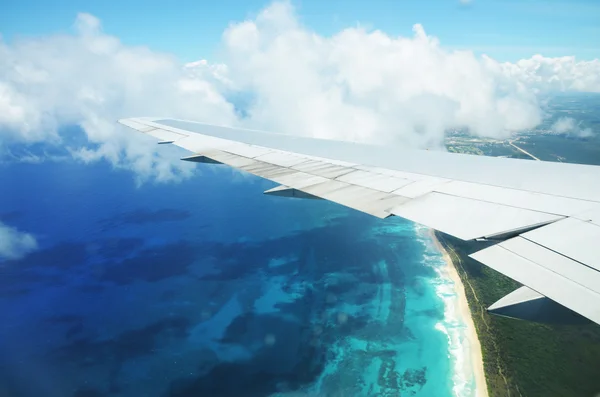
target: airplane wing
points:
(544, 216)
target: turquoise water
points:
(209, 288)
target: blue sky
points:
(507, 30)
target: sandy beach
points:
(474, 358)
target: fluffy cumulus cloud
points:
(542, 74)
(15, 244)
(91, 79)
(367, 86)
(569, 126)
(357, 85)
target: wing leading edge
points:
(545, 216)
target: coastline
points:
(475, 358)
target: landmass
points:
(522, 358)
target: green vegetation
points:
(523, 358)
(465, 149)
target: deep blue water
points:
(209, 288)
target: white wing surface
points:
(545, 216)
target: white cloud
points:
(92, 79)
(368, 86)
(564, 124)
(568, 125)
(15, 244)
(357, 84)
(544, 74)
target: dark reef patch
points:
(74, 330)
(87, 392)
(414, 378)
(117, 248)
(145, 216)
(11, 216)
(125, 346)
(25, 275)
(91, 288)
(323, 269)
(251, 378)
(13, 292)
(62, 256)
(151, 264)
(168, 295)
(250, 329)
(72, 323)
(239, 260)
(68, 319)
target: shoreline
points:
(475, 357)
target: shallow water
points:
(209, 288)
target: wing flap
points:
(572, 238)
(516, 198)
(318, 183)
(282, 159)
(469, 219)
(546, 272)
(331, 171)
(420, 187)
(299, 180)
(554, 261)
(384, 183)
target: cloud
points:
(568, 125)
(368, 86)
(15, 244)
(91, 79)
(357, 84)
(564, 124)
(543, 74)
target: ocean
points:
(207, 287)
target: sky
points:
(506, 30)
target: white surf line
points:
(463, 341)
(523, 151)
